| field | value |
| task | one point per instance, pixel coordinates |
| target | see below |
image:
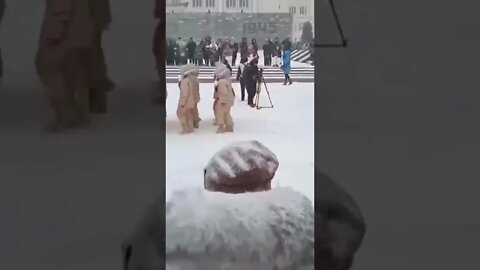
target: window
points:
(303, 10)
(197, 3)
(293, 10)
(210, 3)
(243, 3)
(231, 3)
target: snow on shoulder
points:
(273, 229)
(241, 163)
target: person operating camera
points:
(250, 74)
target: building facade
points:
(302, 10)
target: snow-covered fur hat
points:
(241, 166)
(265, 230)
(203, 227)
(221, 71)
(188, 69)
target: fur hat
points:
(221, 70)
(188, 69)
(241, 164)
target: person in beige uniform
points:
(225, 100)
(60, 62)
(186, 101)
(100, 83)
(196, 92)
(3, 6)
(218, 65)
(215, 100)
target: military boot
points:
(186, 129)
(221, 129)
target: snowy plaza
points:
(287, 129)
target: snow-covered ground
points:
(287, 129)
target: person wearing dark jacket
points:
(170, 52)
(254, 48)
(267, 53)
(241, 78)
(251, 78)
(277, 52)
(234, 47)
(244, 48)
(177, 52)
(190, 48)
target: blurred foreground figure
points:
(339, 228)
(3, 6)
(159, 48)
(237, 222)
(62, 61)
(100, 83)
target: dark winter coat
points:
(190, 48)
(244, 49)
(250, 74)
(277, 49)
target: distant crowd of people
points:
(248, 74)
(209, 51)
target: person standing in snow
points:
(251, 79)
(225, 99)
(234, 47)
(241, 78)
(286, 67)
(196, 91)
(267, 52)
(286, 63)
(186, 101)
(215, 95)
(254, 48)
(277, 52)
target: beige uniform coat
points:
(196, 94)
(226, 99)
(65, 33)
(186, 104)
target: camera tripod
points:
(344, 41)
(261, 81)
